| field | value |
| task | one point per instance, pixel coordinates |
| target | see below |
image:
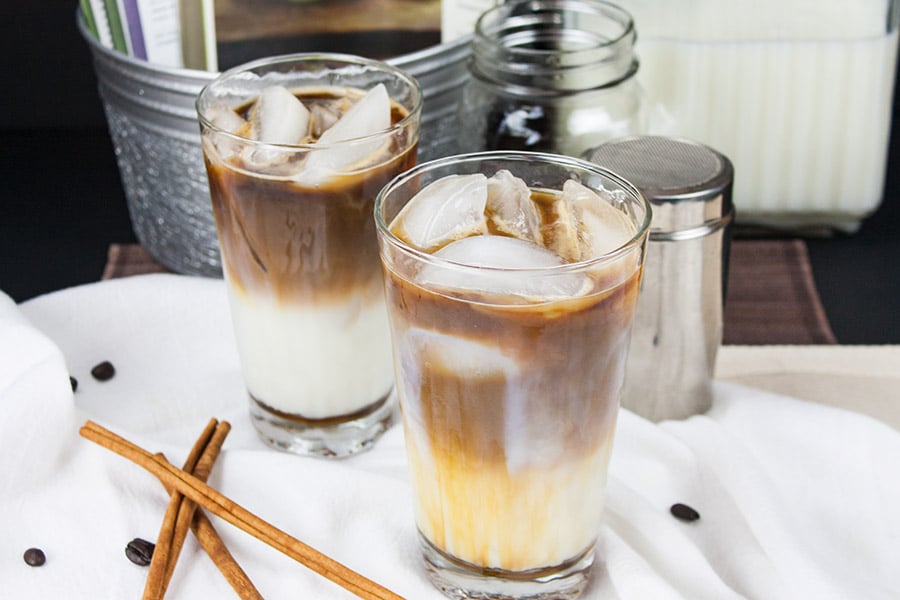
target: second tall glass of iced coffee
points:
(296, 149)
(511, 282)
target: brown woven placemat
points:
(771, 296)
(124, 260)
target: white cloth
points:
(797, 500)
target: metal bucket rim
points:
(431, 52)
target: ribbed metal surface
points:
(665, 168)
(688, 184)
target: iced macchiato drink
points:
(511, 282)
(296, 150)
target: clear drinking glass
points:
(298, 243)
(509, 377)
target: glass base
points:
(326, 438)
(462, 581)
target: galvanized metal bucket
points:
(153, 126)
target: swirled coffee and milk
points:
(510, 345)
(294, 217)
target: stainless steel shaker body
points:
(678, 325)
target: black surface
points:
(63, 202)
(61, 209)
(858, 275)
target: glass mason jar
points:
(551, 75)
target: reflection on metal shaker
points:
(678, 326)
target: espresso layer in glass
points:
(302, 272)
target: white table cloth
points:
(797, 499)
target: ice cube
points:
(448, 209)
(561, 229)
(504, 258)
(279, 117)
(369, 115)
(510, 209)
(323, 117)
(604, 228)
(499, 252)
(469, 359)
(472, 359)
(225, 119)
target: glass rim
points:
(414, 114)
(491, 25)
(640, 235)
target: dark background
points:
(62, 200)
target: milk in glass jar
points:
(797, 93)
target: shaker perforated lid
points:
(687, 183)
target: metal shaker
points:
(678, 324)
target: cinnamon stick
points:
(156, 584)
(210, 541)
(238, 516)
(180, 512)
(187, 507)
(218, 552)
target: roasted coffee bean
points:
(683, 512)
(104, 371)
(34, 557)
(73, 382)
(140, 552)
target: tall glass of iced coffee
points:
(511, 281)
(296, 149)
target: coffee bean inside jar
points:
(513, 125)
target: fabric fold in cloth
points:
(797, 500)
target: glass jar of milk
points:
(797, 93)
(551, 75)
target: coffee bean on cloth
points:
(35, 557)
(140, 551)
(684, 512)
(104, 371)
